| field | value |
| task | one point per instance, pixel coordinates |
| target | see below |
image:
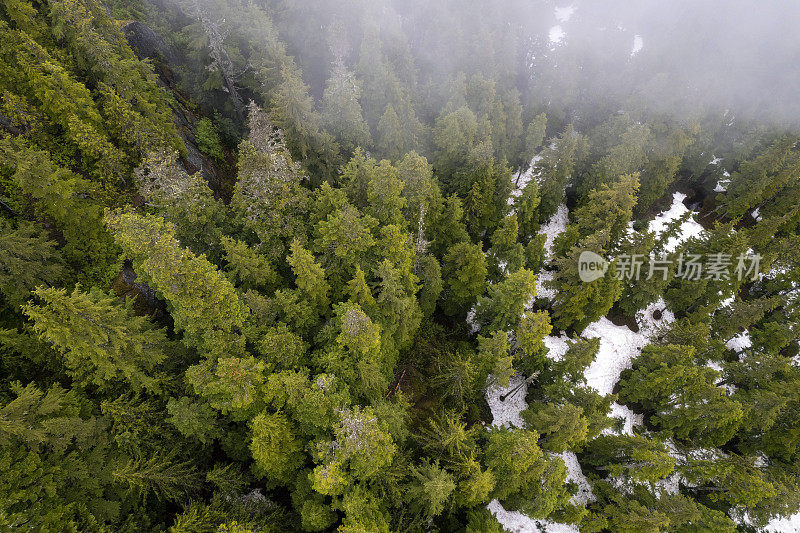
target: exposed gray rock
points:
(147, 44)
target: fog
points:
(674, 56)
(741, 55)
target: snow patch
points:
(556, 346)
(722, 185)
(516, 522)
(784, 525)
(740, 342)
(473, 324)
(507, 412)
(727, 302)
(690, 228)
(638, 44)
(629, 419)
(556, 35)
(575, 474)
(554, 227)
(543, 290)
(523, 179)
(653, 317)
(618, 347)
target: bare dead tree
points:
(421, 244)
(216, 35)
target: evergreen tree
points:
(102, 341)
(276, 452)
(204, 303)
(341, 110)
(631, 457)
(506, 301)
(27, 259)
(56, 462)
(269, 196)
(683, 396)
(533, 483)
(555, 169)
(464, 269)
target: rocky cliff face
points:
(147, 44)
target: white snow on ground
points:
(556, 35)
(784, 525)
(556, 346)
(554, 227)
(727, 302)
(722, 185)
(671, 485)
(649, 325)
(524, 179)
(516, 522)
(790, 524)
(629, 419)
(575, 474)
(618, 346)
(543, 290)
(506, 413)
(740, 342)
(638, 44)
(512, 521)
(473, 324)
(563, 14)
(690, 228)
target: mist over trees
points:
(270, 265)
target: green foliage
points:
(205, 304)
(208, 139)
(165, 479)
(56, 462)
(682, 394)
(464, 272)
(532, 482)
(27, 259)
(64, 200)
(276, 451)
(101, 340)
(268, 197)
(431, 488)
(578, 304)
(503, 307)
(342, 115)
(193, 419)
(631, 457)
(561, 427)
(231, 384)
(292, 353)
(248, 269)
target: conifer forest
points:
(372, 266)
